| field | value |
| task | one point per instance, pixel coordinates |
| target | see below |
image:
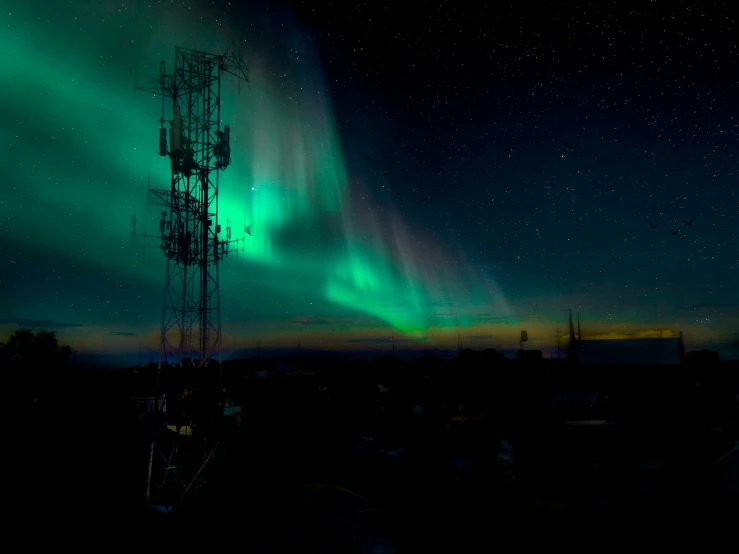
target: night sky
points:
(427, 172)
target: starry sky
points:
(424, 173)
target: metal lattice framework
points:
(186, 436)
(189, 232)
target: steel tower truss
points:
(186, 438)
(189, 232)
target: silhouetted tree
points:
(32, 371)
(35, 362)
(4, 354)
(40, 349)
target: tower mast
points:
(191, 240)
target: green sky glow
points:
(78, 143)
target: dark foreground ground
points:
(359, 472)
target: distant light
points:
(252, 188)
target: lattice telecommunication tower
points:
(188, 430)
(189, 233)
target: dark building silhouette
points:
(529, 356)
(703, 357)
(661, 351)
(469, 355)
(667, 351)
(491, 355)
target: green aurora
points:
(80, 144)
(326, 263)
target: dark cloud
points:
(313, 320)
(122, 334)
(310, 321)
(45, 323)
(490, 318)
(384, 340)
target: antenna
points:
(572, 346)
(144, 237)
(572, 327)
